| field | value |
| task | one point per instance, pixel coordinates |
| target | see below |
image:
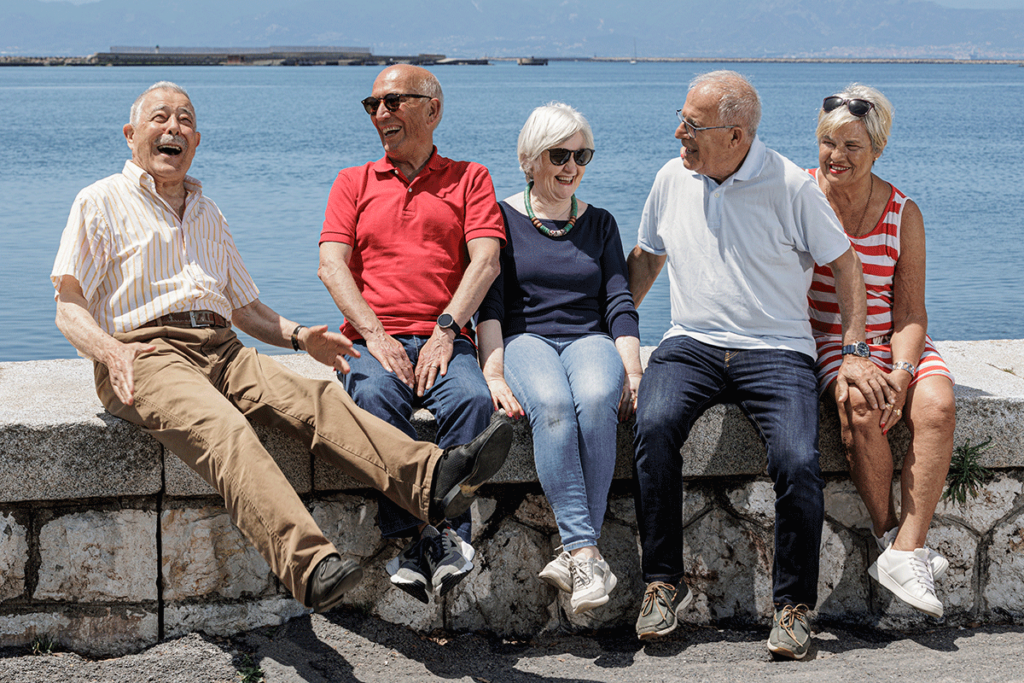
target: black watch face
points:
(446, 321)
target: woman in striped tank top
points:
(887, 230)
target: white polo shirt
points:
(741, 254)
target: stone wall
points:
(108, 544)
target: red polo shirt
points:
(409, 239)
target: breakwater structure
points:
(108, 543)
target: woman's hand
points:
(503, 398)
(627, 404)
(892, 412)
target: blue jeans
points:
(776, 389)
(459, 401)
(570, 389)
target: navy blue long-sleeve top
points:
(566, 286)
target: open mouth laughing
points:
(170, 145)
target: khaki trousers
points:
(196, 394)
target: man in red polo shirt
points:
(408, 249)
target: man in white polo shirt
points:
(149, 284)
(741, 228)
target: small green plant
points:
(42, 645)
(250, 671)
(965, 474)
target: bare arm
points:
(849, 283)
(336, 276)
(483, 268)
(491, 352)
(643, 269)
(81, 329)
(260, 321)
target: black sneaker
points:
(331, 579)
(410, 571)
(448, 557)
(461, 470)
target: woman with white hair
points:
(559, 341)
(887, 230)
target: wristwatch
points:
(446, 322)
(859, 349)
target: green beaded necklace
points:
(540, 226)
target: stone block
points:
(13, 557)
(58, 443)
(844, 505)
(1003, 595)
(754, 499)
(535, 512)
(289, 454)
(205, 555)
(349, 522)
(98, 556)
(503, 594)
(220, 619)
(842, 578)
(995, 498)
(95, 632)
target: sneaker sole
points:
(687, 599)
(896, 589)
(555, 582)
(587, 605)
(414, 588)
(786, 652)
(450, 581)
(488, 461)
(350, 580)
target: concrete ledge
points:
(93, 512)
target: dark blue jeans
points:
(777, 390)
(459, 401)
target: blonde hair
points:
(877, 122)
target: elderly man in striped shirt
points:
(149, 284)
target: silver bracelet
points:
(905, 366)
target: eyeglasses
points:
(560, 156)
(691, 129)
(391, 101)
(858, 108)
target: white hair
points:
(738, 101)
(546, 127)
(135, 114)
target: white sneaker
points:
(592, 580)
(556, 572)
(938, 563)
(909, 576)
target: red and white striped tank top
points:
(878, 250)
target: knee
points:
(934, 413)
(377, 393)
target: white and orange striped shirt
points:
(136, 261)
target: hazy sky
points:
(970, 4)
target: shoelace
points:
(582, 572)
(651, 598)
(923, 569)
(788, 619)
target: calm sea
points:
(274, 139)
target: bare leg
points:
(870, 459)
(930, 413)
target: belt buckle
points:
(192, 316)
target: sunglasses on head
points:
(391, 101)
(858, 108)
(559, 156)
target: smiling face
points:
(164, 139)
(408, 133)
(846, 157)
(552, 183)
(711, 152)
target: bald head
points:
(415, 78)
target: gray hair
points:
(429, 85)
(546, 127)
(738, 103)
(878, 121)
(136, 112)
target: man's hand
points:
(330, 348)
(120, 361)
(392, 356)
(433, 359)
(866, 376)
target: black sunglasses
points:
(391, 101)
(858, 108)
(559, 156)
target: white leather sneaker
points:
(938, 563)
(909, 576)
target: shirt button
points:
(717, 194)
(410, 189)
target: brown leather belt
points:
(189, 319)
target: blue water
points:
(275, 137)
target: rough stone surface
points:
(1004, 592)
(205, 555)
(618, 546)
(844, 505)
(842, 578)
(98, 556)
(995, 499)
(755, 500)
(218, 619)
(13, 557)
(100, 632)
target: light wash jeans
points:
(570, 389)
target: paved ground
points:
(349, 647)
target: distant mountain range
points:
(501, 28)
